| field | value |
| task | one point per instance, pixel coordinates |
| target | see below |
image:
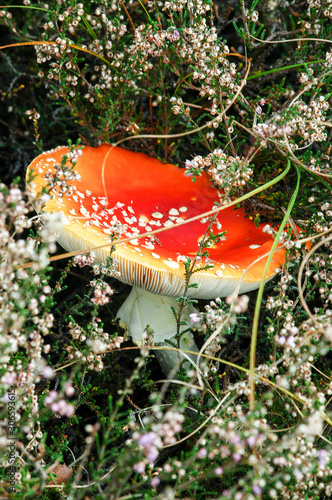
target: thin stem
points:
(260, 294)
(283, 68)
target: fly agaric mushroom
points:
(134, 195)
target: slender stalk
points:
(260, 294)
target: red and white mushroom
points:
(136, 194)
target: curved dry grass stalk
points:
(201, 426)
(71, 45)
(291, 40)
(298, 162)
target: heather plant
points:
(240, 90)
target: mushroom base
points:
(142, 309)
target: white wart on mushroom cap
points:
(143, 194)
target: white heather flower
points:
(48, 372)
(328, 333)
(97, 345)
(52, 223)
(254, 16)
(314, 425)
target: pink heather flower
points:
(8, 378)
(54, 407)
(150, 442)
(154, 482)
(62, 405)
(139, 467)
(291, 342)
(195, 318)
(323, 457)
(70, 410)
(176, 35)
(69, 389)
(201, 453)
(218, 471)
(51, 397)
(148, 439)
(251, 440)
(257, 490)
(152, 454)
(236, 457)
(47, 372)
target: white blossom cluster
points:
(25, 318)
(97, 341)
(104, 76)
(227, 171)
(325, 5)
(47, 52)
(307, 125)
(60, 179)
(84, 260)
(101, 292)
(130, 55)
(214, 314)
(197, 45)
(15, 206)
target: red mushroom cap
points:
(143, 194)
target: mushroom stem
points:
(142, 308)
